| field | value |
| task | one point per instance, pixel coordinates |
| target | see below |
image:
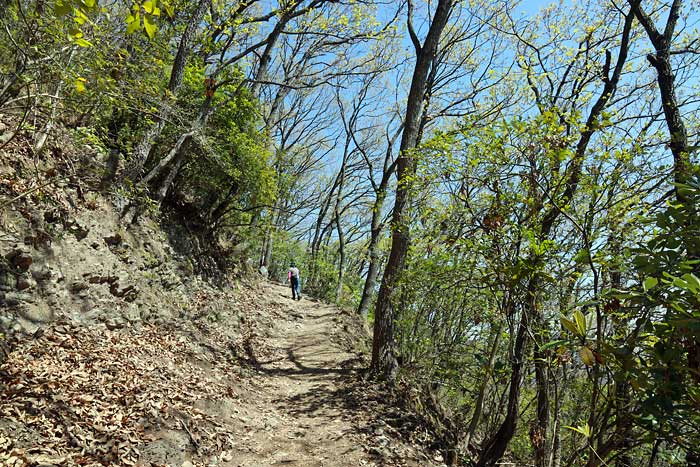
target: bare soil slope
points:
(287, 391)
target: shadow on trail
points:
(346, 367)
(362, 405)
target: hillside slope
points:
(116, 349)
(287, 391)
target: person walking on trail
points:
(294, 280)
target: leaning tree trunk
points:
(341, 258)
(44, 134)
(373, 254)
(177, 155)
(383, 354)
(143, 148)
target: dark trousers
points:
(295, 287)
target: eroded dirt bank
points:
(286, 390)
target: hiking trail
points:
(245, 378)
(307, 405)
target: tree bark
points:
(341, 258)
(479, 403)
(383, 354)
(682, 165)
(373, 254)
(539, 436)
(497, 444)
(143, 148)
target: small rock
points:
(128, 293)
(41, 274)
(101, 279)
(15, 298)
(87, 305)
(24, 283)
(78, 230)
(114, 324)
(36, 313)
(77, 286)
(113, 240)
(187, 464)
(20, 259)
(52, 216)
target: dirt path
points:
(306, 405)
(281, 387)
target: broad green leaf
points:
(133, 22)
(148, 6)
(63, 8)
(692, 281)
(678, 282)
(149, 26)
(580, 322)
(569, 325)
(552, 344)
(80, 17)
(649, 283)
(83, 42)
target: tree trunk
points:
(479, 403)
(497, 444)
(373, 254)
(143, 148)
(383, 354)
(341, 258)
(555, 454)
(682, 165)
(44, 134)
(539, 435)
(266, 57)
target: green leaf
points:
(148, 6)
(83, 42)
(80, 17)
(692, 281)
(133, 22)
(580, 322)
(552, 344)
(680, 283)
(569, 325)
(63, 8)
(149, 26)
(649, 283)
(80, 84)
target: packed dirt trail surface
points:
(307, 404)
